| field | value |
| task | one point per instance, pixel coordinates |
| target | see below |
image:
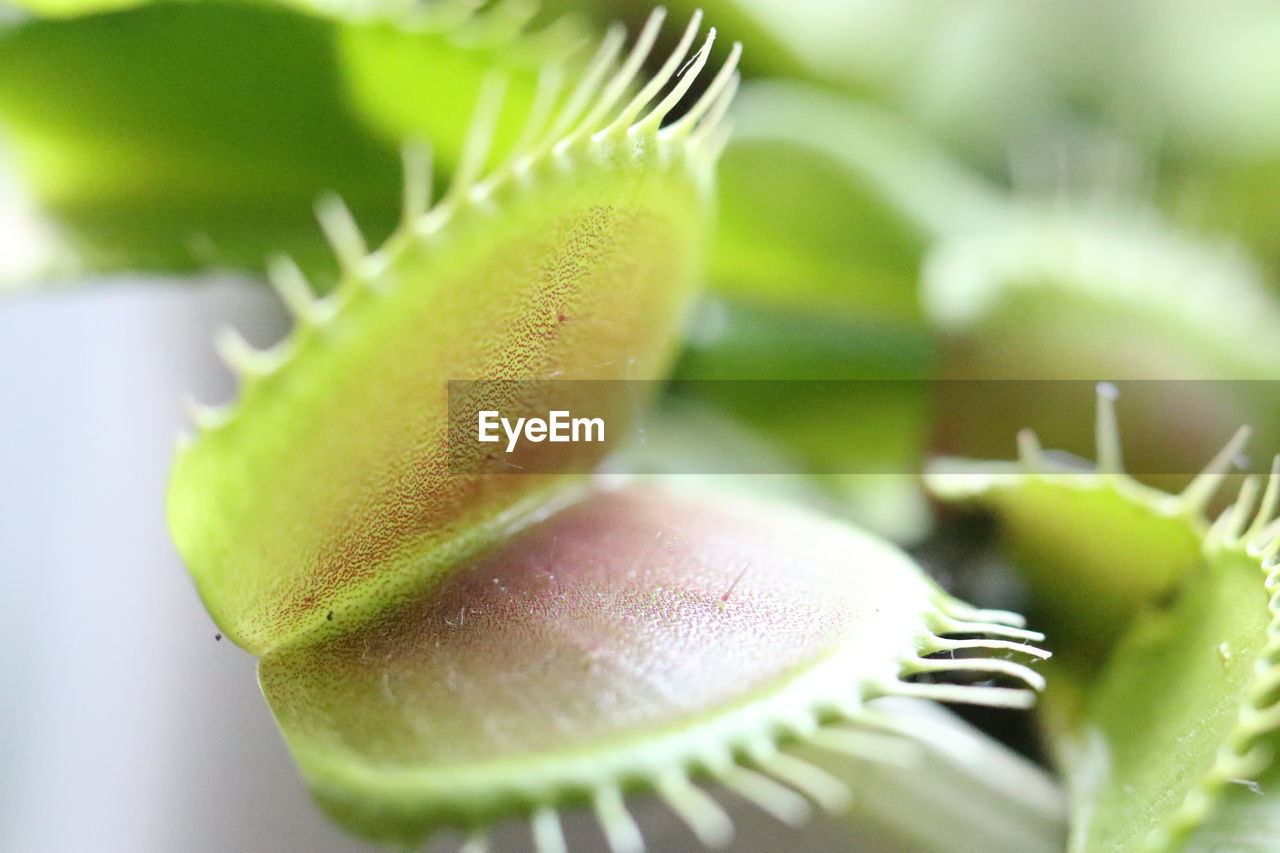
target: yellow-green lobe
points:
(330, 489)
(1166, 712)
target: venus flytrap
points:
(1157, 722)
(1143, 538)
(574, 261)
(1187, 706)
(644, 640)
(446, 647)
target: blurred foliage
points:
(739, 353)
(829, 204)
(181, 135)
(1088, 294)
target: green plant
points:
(448, 645)
(1183, 698)
(603, 199)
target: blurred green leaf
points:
(179, 135)
(853, 409)
(829, 204)
(827, 207)
(1071, 293)
(419, 76)
(73, 8)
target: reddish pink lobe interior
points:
(629, 613)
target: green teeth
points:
(1176, 621)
